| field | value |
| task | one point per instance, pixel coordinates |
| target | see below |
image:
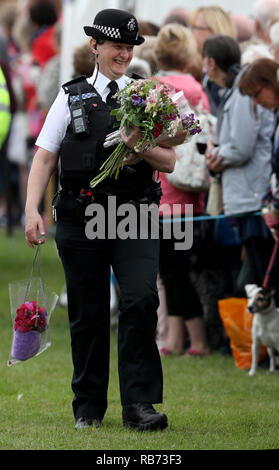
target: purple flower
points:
(170, 117)
(188, 121)
(136, 100)
(196, 130)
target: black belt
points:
(87, 196)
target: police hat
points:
(115, 25)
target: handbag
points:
(238, 323)
(191, 172)
(32, 304)
(215, 198)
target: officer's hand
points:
(34, 224)
(132, 139)
(131, 159)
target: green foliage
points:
(142, 105)
(209, 402)
(145, 104)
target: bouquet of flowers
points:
(29, 323)
(30, 318)
(162, 115)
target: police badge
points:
(131, 26)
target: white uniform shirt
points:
(58, 118)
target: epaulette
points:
(135, 76)
(76, 80)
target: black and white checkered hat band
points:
(108, 31)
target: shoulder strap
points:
(73, 83)
(135, 76)
(79, 89)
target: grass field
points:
(209, 402)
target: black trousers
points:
(176, 267)
(87, 270)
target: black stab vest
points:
(82, 155)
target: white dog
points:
(265, 328)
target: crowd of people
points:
(29, 54)
(209, 54)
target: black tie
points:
(113, 89)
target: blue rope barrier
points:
(205, 217)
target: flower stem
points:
(111, 165)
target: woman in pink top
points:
(176, 52)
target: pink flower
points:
(29, 305)
(152, 97)
(30, 316)
(160, 88)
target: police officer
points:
(75, 130)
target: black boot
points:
(143, 417)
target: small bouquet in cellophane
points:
(164, 117)
(31, 307)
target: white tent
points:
(76, 14)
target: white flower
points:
(173, 128)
